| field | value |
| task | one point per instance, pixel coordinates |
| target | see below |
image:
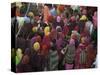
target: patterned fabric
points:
(83, 57)
(69, 57)
(53, 60)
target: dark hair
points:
(49, 5)
(53, 46)
(54, 41)
(89, 17)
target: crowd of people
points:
(52, 37)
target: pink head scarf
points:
(58, 19)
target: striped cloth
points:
(53, 60)
(70, 55)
